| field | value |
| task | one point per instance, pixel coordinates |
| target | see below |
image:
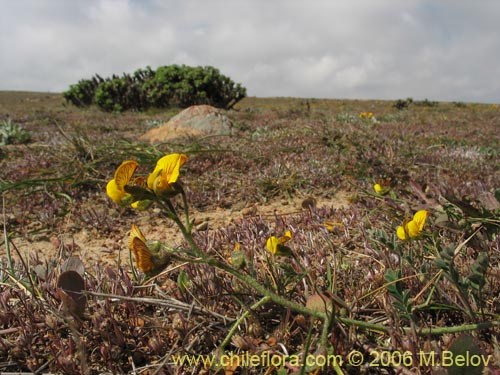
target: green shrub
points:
(119, 94)
(427, 103)
(459, 104)
(168, 86)
(11, 133)
(403, 104)
(182, 86)
(82, 94)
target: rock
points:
(309, 203)
(197, 120)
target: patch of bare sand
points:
(92, 247)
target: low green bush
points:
(168, 86)
(82, 93)
(11, 133)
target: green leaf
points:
(183, 281)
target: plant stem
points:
(243, 316)
(455, 329)
(250, 281)
(186, 211)
(326, 327)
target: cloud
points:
(342, 49)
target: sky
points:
(444, 50)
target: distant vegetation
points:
(168, 86)
(405, 103)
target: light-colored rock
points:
(198, 120)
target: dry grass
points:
(442, 158)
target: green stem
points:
(189, 239)
(261, 289)
(362, 324)
(422, 331)
(455, 329)
(326, 328)
(186, 212)
(243, 316)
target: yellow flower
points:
(378, 188)
(276, 245)
(166, 173)
(383, 186)
(137, 244)
(331, 226)
(140, 193)
(116, 187)
(149, 259)
(412, 228)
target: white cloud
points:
(340, 49)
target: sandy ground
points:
(93, 247)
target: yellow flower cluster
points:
(366, 115)
(162, 182)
